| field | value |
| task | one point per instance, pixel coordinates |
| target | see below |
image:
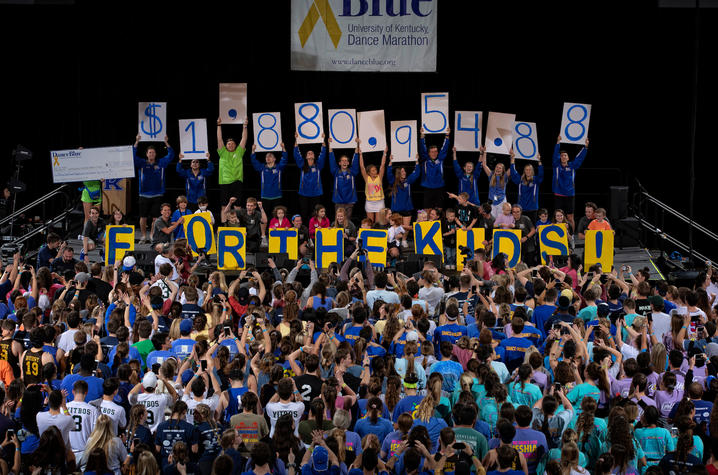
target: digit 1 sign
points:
(435, 112)
(342, 127)
(193, 138)
(403, 140)
(467, 130)
(574, 122)
(310, 122)
(267, 131)
(525, 142)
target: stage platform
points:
(638, 258)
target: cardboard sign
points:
(508, 241)
(284, 240)
(471, 238)
(375, 242)
(598, 249)
(428, 239)
(328, 247)
(118, 240)
(231, 248)
(553, 241)
(199, 232)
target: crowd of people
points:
(353, 369)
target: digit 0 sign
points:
(574, 122)
(525, 140)
(267, 131)
(467, 130)
(403, 140)
(435, 112)
(310, 123)
(342, 127)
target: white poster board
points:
(233, 102)
(343, 127)
(525, 141)
(574, 122)
(193, 139)
(403, 140)
(435, 112)
(309, 122)
(267, 131)
(499, 132)
(152, 122)
(372, 131)
(467, 130)
(92, 164)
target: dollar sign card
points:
(152, 124)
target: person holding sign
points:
(401, 191)
(528, 187)
(432, 166)
(152, 182)
(310, 181)
(564, 176)
(497, 183)
(374, 188)
(231, 164)
(195, 179)
(468, 179)
(271, 190)
(345, 190)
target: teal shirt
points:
(528, 396)
(588, 313)
(581, 391)
(656, 442)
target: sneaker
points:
(82, 255)
(265, 243)
(404, 243)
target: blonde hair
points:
(427, 406)
(101, 435)
(569, 457)
(146, 464)
(175, 329)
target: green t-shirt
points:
(306, 427)
(474, 438)
(145, 347)
(231, 165)
(91, 192)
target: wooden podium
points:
(116, 195)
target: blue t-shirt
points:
(169, 432)
(94, 386)
(382, 428)
(515, 351)
(406, 404)
(434, 426)
(450, 332)
(352, 334)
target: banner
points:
(199, 232)
(553, 241)
(525, 141)
(152, 122)
(403, 140)
(310, 122)
(467, 130)
(471, 238)
(118, 240)
(428, 239)
(508, 241)
(359, 35)
(574, 122)
(372, 131)
(329, 247)
(375, 242)
(267, 131)
(231, 248)
(284, 240)
(343, 127)
(598, 249)
(92, 164)
(193, 139)
(499, 132)
(233, 102)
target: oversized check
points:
(92, 164)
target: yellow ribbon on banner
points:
(320, 8)
(57, 162)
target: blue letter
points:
(283, 235)
(111, 183)
(347, 10)
(223, 248)
(207, 235)
(365, 235)
(515, 242)
(423, 241)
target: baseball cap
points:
(564, 302)
(712, 349)
(412, 335)
(82, 277)
(149, 381)
(603, 309)
(320, 459)
(243, 296)
(186, 325)
(567, 293)
(128, 263)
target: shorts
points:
(565, 203)
(150, 207)
(230, 190)
(374, 206)
(406, 213)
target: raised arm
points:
(382, 167)
(578, 161)
(457, 169)
(482, 159)
(361, 166)
(220, 140)
(243, 140)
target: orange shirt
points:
(6, 374)
(596, 225)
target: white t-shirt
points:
(275, 410)
(661, 324)
(192, 404)
(114, 412)
(62, 421)
(67, 340)
(156, 403)
(83, 416)
(433, 296)
(159, 260)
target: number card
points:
(467, 130)
(553, 241)
(525, 141)
(598, 249)
(231, 248)
(435, 112)
(199, 232)
(310, 122)
(284, 240)
(267, 131)
(499, 132)
(193, 139)
(508, 241)
(574, 122)
(428, 239)
(372, 131)
(118, 240)
(403, 140)
(375, 242)
(343, 127)
(233, 102)
(471, 238)
(329, 247)
(151, 126)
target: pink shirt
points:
(503, 219)
(315, 223)
(275, 223)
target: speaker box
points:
(619, 203)
(408, 268)
(683, 279)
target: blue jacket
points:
(497, 194)
(401, 200)
(152, 177)
(345, 190)
(528, 194)
(271, 177)
(432, 175)
(563, 177)
(310, 182)
(468, 183)
(195, 186)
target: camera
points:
(700, 361)
(360, 247)
(226, 329)
(459, 446)
(305, 260)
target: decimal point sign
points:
(372, 141)
(498, 141)
(232, 113)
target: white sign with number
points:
(193, 139)
(267, 131)
(500, 132)
(435, 112)
(574, 122)
(372, 131)
(233, 102)
(525, 141)
(152, 123)
(467, 130)
(310, 122)
(343, 127)
(403, 140)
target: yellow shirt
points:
(374, 190)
